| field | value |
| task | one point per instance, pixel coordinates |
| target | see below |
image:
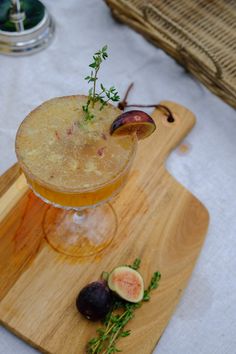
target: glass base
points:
(80, 233)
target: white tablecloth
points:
(205, 319)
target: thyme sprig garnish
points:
(136, 264)
(116, 320)
(105, 95)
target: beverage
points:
(70, 162)
(76, 152)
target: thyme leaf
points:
(106, 95)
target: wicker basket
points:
(199, 34)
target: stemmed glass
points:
(76, 167)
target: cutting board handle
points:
(169, 134)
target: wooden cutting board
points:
(159, 221)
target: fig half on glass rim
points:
(134, 121)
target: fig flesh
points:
(131, 122)
(127, 283)
(95, 301)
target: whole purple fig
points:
(94, 301)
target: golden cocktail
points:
(74, 164)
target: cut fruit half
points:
(126, 283)
(131, 122)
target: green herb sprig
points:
(136, 264)
(105, 95)
(115, 321)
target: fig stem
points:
(170, 117)
(124, 104)
(105, 276)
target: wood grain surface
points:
(7, 179)
(159, 221)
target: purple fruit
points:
(94, 301)
(131, 122)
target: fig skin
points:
(95, 301)
(127, 283)
(136, 120)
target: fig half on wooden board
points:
(126, 283)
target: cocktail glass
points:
(76, 167)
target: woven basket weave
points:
(200, 34)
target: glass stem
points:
(80, 212)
